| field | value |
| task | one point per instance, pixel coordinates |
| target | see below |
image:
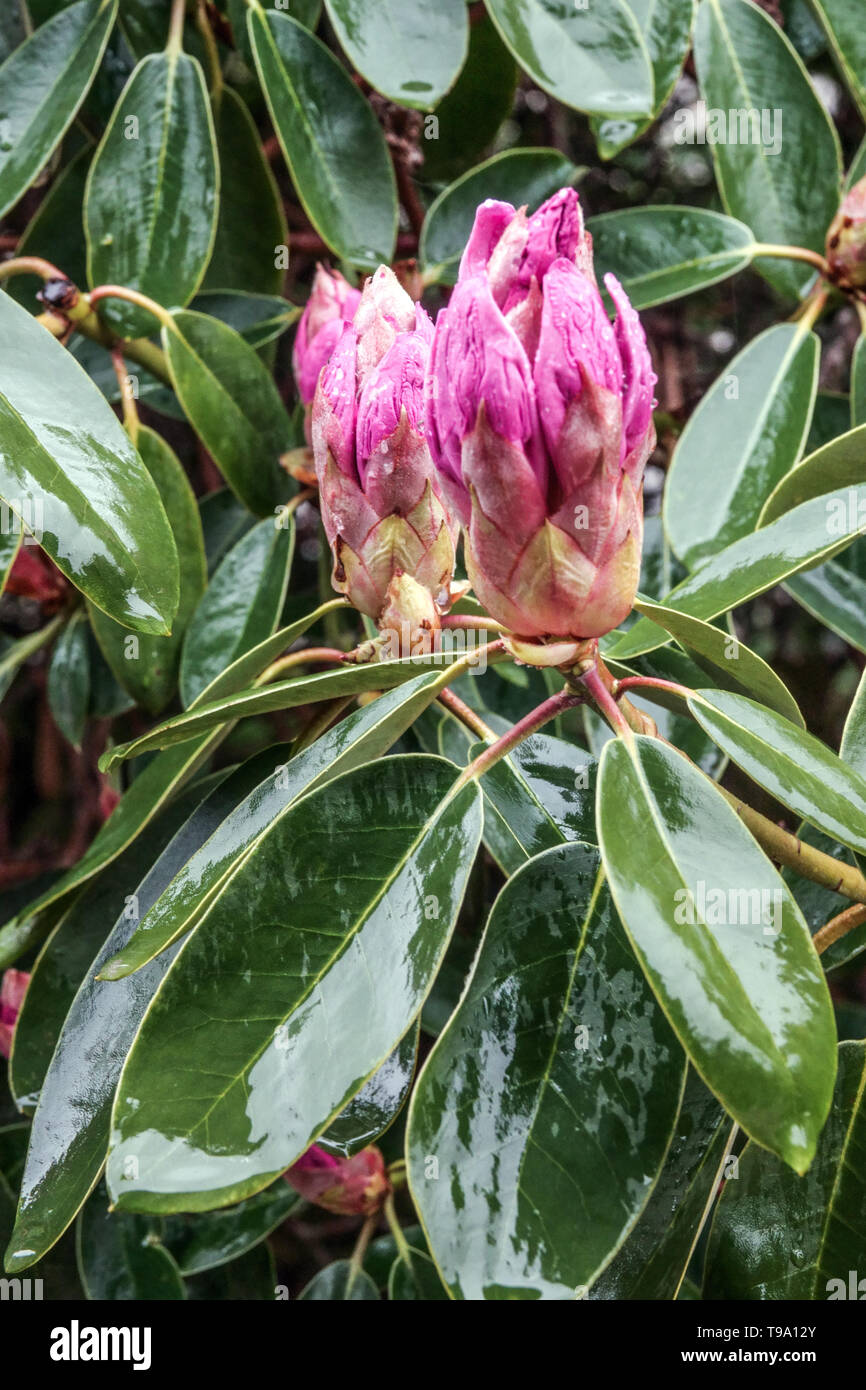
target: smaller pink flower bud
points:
(385, 309)
(354, 1186)
(846, 240)
(331, 305)
(12, 992)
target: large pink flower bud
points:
(382, 505)
(12, 992)
(846, 240)
(331, 305)
(354, 1186)
(539, 417)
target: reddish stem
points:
(651, 683)
(549, 709)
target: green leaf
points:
(746, 434)
(250, 664)
(722, 943)
(230, 399)
(213, 1238)
(151, 206)
(251, 1277)
(362, 737)
(545, 1160)
(784, 186)
(663, 253)
(794, 766)
(240, 608)
(69, 678)
(542, 794)
(814, 531)
(516, 176)
(835, 594)
(71, 1127)
(68, 952)
(852, 749)
(593, 59)
(836, 465)
(244, 254)
(148, 666)
(732, 664)
(60, 445)
(120, 1257)
(652, 1263)
(299, 938)
(377, 1105)
(472, 112)
(259, 318)
(666, 27)
(843, 24)
(56, 233)
(777, 1236)
(414, 1278)
(408, 50)
(324, 685)
(335, 148)
(42, 85)
(339, 1283)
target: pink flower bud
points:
(539, 418)
(12, 992)
(382, 503)
(846, 240)
(354, 1186)
(331, 305)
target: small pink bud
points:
(846, 240)
(331, 305)
(354, 1186)
(12, 992)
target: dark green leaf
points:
(69, 678)
(838, 464)
(408, 50)
(666, 29)
(339, 1283)
(120, 1256)
(251, 1277)
(377, 1105)
(56, 233)
(212, 1238)
(662, 253)
(843, 24)
(246, 248)
(528, 1160)
(414, 1278)
(469, 117)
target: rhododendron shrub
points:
(433, 725)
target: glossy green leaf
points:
(298, 939)
(794, 766)
(814, 531)
(835, 594)
(843, 24)
(783, 183)
(148, 666)
(240, 608)
(13, 30)
(722, 943)
(224, 520)
(213, 1238)
(545, 1160)
(377, 1105)
(653, 1261)
(69, 679)
(542, 794)
(62, 447)
(516, 176)
(259, 318)
(324, 685)
(152, 193)
(414, 1278)
(746, 434)
(332, 142)
(71, 1127)
(778, 1236)
(67, 954)
(239, 674)
(677, 728)
(120, 1257)
(340, 1283)
(852, 749)
(230, 400)
(408, 50)
(42, 85)
(365, 735)
(472, 112)
(662, 253)
(592, 58)
(666, 27)
(732, 664)
(245, 251)
(839, 464)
